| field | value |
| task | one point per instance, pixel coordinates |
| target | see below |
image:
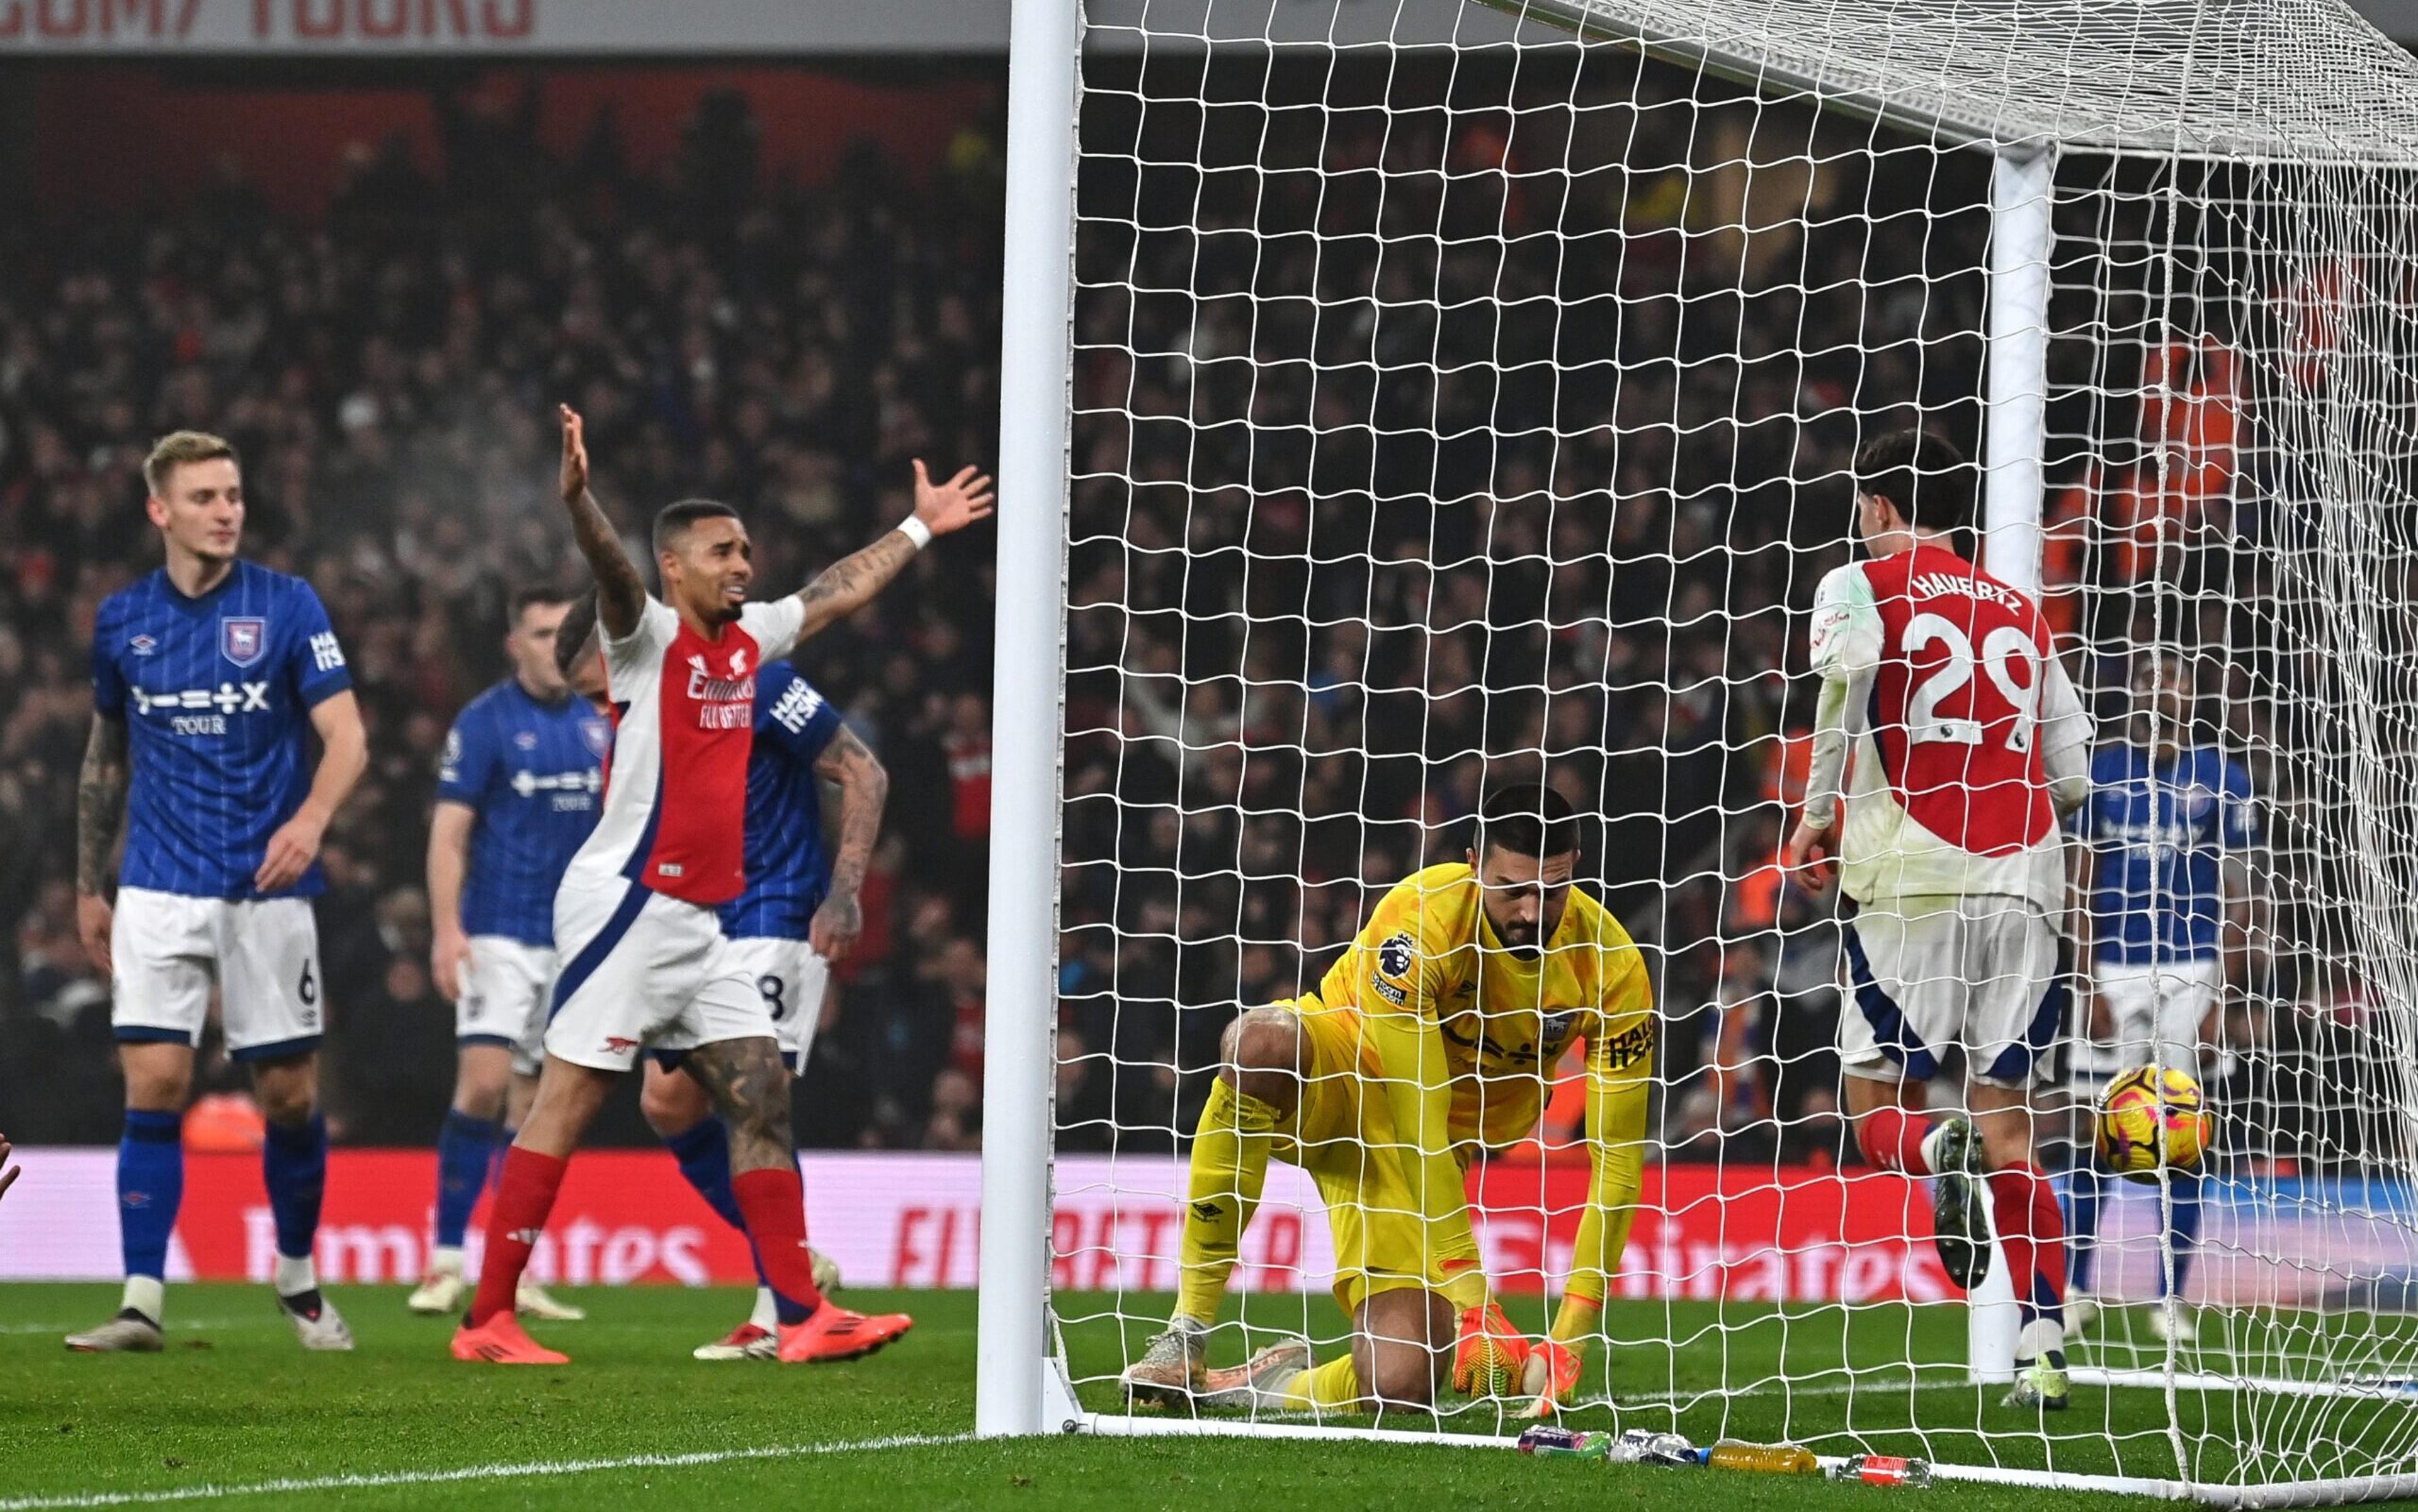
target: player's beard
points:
(1517, 938)
(718, 610)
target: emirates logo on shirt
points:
(724, 702)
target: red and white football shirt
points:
(676, 797)
(1959, 700)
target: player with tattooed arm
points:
(644, 963)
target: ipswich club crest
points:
(598, 734)
(243, 639)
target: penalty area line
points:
(460, 1475)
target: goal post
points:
(1402, 399)
(1015, 1353)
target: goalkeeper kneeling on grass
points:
(1431, 1039)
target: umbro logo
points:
(617, 1044)
(525, 1236)
(1206, 1212)
(143, 644)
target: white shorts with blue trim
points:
(1978, 974)
(507, 986)
(791, 979)
(168, 949)
(642, 970)
(2155, 1010)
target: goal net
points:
(1465, 397)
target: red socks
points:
(2024, 1207)
(523, 1196)
(774, 1202)
(1892, 1138)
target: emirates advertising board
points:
(914, 1221)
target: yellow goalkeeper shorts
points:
(1343, 1136)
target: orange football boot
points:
(834, 1333)
(500, 1340)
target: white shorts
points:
(641, 969)
(167, 950)
(506, 988)
(791, 979)
(1979, 973)
(2156, 1012)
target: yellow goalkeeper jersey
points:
(1429, 955)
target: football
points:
(2152, 1117)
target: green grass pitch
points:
(234, 1404)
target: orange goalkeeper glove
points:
(1491, 1355)
(1552, 1378)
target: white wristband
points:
(916, 531)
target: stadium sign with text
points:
(533, 28)
(1798, 1234)
(526, 27)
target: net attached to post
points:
(1463, 399)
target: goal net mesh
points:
(1462, 398)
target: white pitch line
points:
(468, 1472)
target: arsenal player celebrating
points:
(1968, 742)
(644, 963)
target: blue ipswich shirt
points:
(532, 772)
(789, 871)
(2161, 837)
(215, 693)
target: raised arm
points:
(863, 787)
(344, 755)
(100, 807)
(621, 592)
(850, 584)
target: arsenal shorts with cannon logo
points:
(639, 971)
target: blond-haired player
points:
(1430, 1040)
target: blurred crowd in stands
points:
(1405, 464)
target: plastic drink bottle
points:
(1768, 1459)
(1883, 1470)
(1644, 1446)
(1577, 1444)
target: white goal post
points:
(1339, 319)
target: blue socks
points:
(2186, 1228)
(2082, 1193)
(150, 1185)
(294, 1164)
(703, 1150)
(465, 1146)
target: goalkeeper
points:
(1431, 1039)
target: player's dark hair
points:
(1526, 818)
(573, 633)
(674, 520)
(1926, 478)
(523, 600)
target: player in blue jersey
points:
(207, 677)
(797, 916)
(2169, 829)
(516, 795)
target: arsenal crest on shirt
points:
(243, 639)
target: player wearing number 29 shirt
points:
(642, 959)
(1968, 744)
